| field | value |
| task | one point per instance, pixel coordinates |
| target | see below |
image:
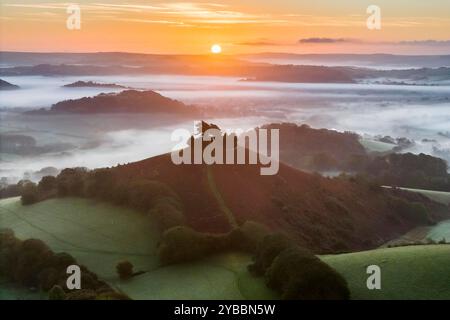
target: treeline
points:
(312, 149)
(410, 170)
(32, 264)
(294, 272)
(149, 196)
(306, 148)
(182, 244)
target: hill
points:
(325, 215)
(5, 85)
(92, 84)
(413, 272)
(312, 149)
(128, 101)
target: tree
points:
(30, 194)
(298, 274)
(125, 269)
(268, 249)
(47, 183)
(56, 293)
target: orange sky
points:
(256, 26)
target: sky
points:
(251, 26)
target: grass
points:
(219, 277)
(438, 196)
(215, 191)
(440, 231)
(11, 291)
(376, 146)
(99, 235)
(413, 272)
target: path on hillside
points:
(213, 187)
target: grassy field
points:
(219, 277)
(99, 235)
(414, 272)
(438, 196)
(440, 231)
(376, 146)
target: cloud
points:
(325, 40)
(259, 42)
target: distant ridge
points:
(5, 85)
(128, 101)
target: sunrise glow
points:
(216, 49)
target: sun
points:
(215, 48)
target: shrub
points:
(32, 263)
(70, 182)
(47, 183)
(248, 236)
(125, 269)
(414, 211)
(56, 293)
(268, 249)
(48, 278)
(30, 194)
(180, 244)
(298, 274)
(143, 194)
(167, 213)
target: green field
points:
(376, 146)
(99, 235)
(413, 272)
(438, 196)
(440, 231)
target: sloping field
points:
(376, 146)
(440, 231)
(413, 272)
(438, 196)
(99, 235)
(219, 277)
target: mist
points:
(419, 113)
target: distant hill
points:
(128, 101)
(4, 85)
(92, 84)
(312, 149)
(367, 60)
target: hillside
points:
(100, 235)
(414, 272)
(92, 84)
(128, 101)
(307, 148)
(326, 215)
(5, 85)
